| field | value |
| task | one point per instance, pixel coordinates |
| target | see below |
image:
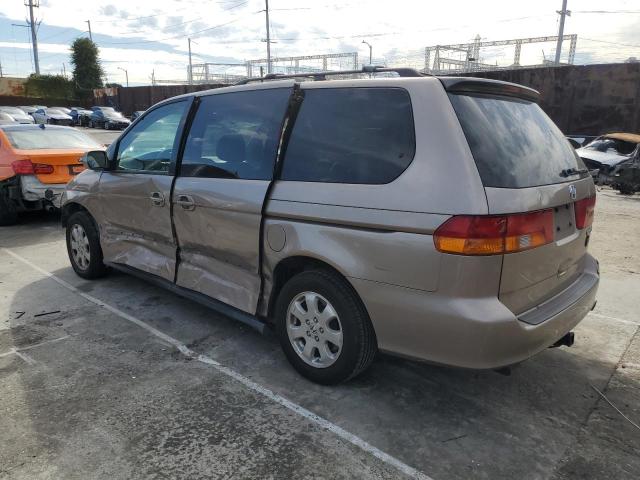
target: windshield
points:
(611, 145)
(513, 142)
(53, 111)
(49, 138)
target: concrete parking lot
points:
(119, 379)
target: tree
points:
(49, 86)
(87, 72)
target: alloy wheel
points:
(314, 329)
(80, 246)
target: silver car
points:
(441, 219)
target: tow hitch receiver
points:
(565, 341)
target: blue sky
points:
(151, 35)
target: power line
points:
(130, 19)
(611, 43)
(241, 4)
(182, 35)
(605, 11)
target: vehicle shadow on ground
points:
(447, 422)
(23, 233)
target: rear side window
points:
(351, 135)
(236, 135)
(513, 142)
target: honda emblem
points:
(573, 192)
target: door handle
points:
(186, 202)
(157, 199)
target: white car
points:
(63, 109)
(6, 119)
(51, 116)
(17, 114)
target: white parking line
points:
(294, 407)
(25, 357)
(17, 351)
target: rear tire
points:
(83, 246)
(8, 211)
(307, 332)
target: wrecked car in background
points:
(626, 176)
(578, 141)
(602, 155)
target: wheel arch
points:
(288, 267)
(70, 208)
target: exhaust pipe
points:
(565, 341)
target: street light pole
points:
(370, 51)
(126, 74)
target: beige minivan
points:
(443, 219)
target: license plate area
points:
(564, 221)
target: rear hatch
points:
(54, 166)
(527, 166)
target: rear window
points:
(49, 138)
(351, 135)
(513, 142)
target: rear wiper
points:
(568, 172)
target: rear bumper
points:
(34, 190)
(480, 333)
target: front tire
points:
(83, 246)
(323, 328)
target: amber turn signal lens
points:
(494, 234)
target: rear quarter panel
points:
(7, 155)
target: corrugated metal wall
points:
(130, 99)
(584, 99)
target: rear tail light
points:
(22, 167)
(25, 167)
(585, 210)
(494, 234)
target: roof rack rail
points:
(401, 71)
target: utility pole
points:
(563, 13)
(190, 65)
(34, 39)
(268, 37)
(126, 74)
(64, 70)
(89, 24)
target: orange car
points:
(36, 162)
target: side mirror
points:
(95, 160)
